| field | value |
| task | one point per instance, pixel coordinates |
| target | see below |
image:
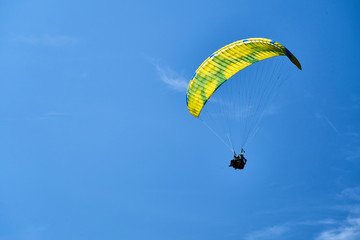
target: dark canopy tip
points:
(293, 59)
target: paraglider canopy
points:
(227, 61)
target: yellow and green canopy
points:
(226, 62)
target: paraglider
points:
(246, 98)
(239, 161)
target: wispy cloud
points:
(350, 194)
(48, 40)
(290, 228)
(171, 78)
(273, 232)
(326, 221)
(348, 230)
(327, 120)
(353, 154)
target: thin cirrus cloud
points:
(48, 40)
(348, 228)
(273, 232)
(327, 120)
(172, 79)
(353, 155)
(350, 194)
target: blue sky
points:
(97, 143)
